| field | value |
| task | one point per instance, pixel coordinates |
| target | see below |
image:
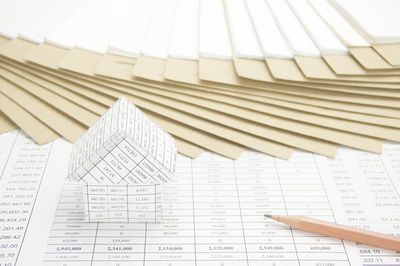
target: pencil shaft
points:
(341, 231)
(350, 233)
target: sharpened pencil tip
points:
(267, 215)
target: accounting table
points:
(30, 183)
(213, 214)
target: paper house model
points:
(122, 162)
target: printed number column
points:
(71, 238)
(368, 196)
(19, 184)
(219, 232)
(267, 242)
(119, 244)
(171, 242)
(304, 194)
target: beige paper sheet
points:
(317, 68)
(206, 114)
(142, 101)
(244, 125)
(117, 67)
(284, 74)
(225, 148)
(80, 61)
(389, 51)
(184, 147)
(223, 71)
(118, 70)
(340, 124)
(23, 80)
(3, 40)
(369, 58)
(187, 148)
(259, 104)
(44, 53)
(189, 77)
(52, 51)
(318, 71)
(59, 122)
(393, 134)
(80, 55)
(345, 64)
(68, 90)
(254, 71)
(70, 63)
(6, 124)
(13, 87)
(36, 129)
(212, 143)
(191, 150)
(71, 91)
(287, 71)
(314, 131)
(314, 69)
(51, 55)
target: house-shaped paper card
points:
(122, 162)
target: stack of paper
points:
(222, 75)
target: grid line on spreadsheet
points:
(105, 161)
(108, 205)
(138, 164)
(188, 234)
(286, 210)
(87, 198)
(193, 213)
(123, 165)
(145, 244)
(240, 211)
(127, 203)
(94, 244)
(122, 179)
(389, 177)
(9, 155)
(94, 165)
(92, 175)
(102, 158)
(140, 145)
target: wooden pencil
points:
(339, 231)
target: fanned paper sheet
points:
(218, 75)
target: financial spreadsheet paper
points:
(31, 179)
(122, 162)
(214, 214)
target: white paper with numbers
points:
(31, 180)
(213, 215)
(122, 162)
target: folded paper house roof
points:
(123, 147)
